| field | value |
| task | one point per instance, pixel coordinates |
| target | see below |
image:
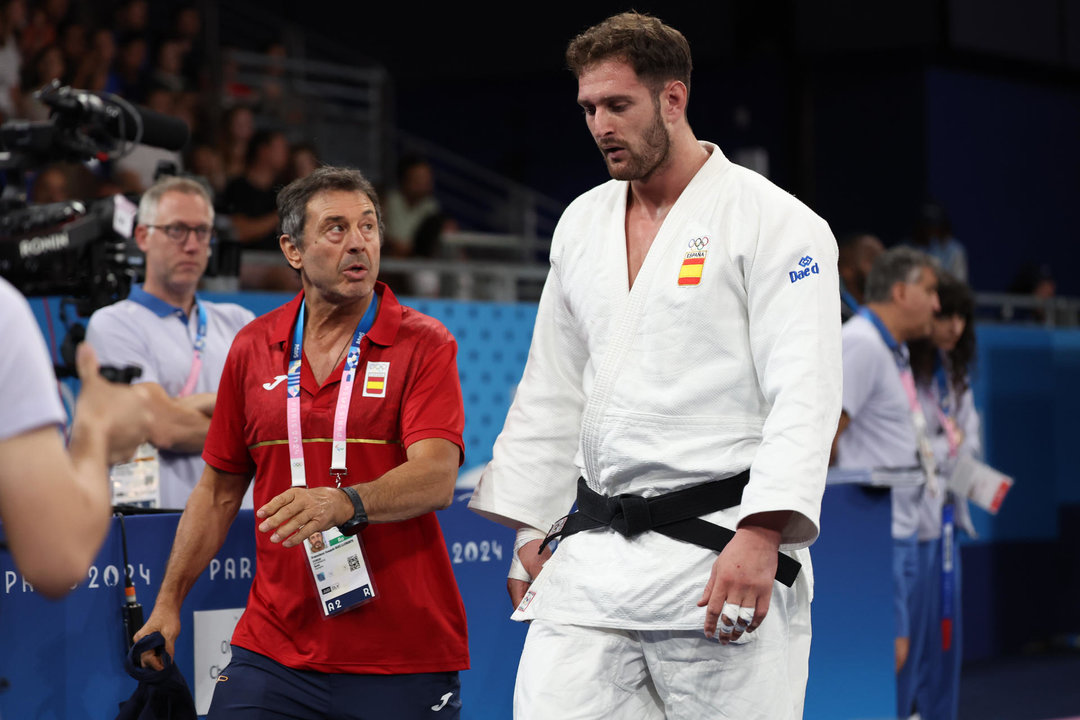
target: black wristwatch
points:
(359, 520)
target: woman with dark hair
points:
(942, 364)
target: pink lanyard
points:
(338, 468)
(196, 358)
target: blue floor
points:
(1026, 687)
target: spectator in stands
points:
(73, 44)
(277, 99)
(130, 67)
(132, 18)
(239, 127)
(168, 70)
(187, 28)
(934, 236)
(12, 17)
(38, 32)
(251, 199)
(47, 65)
(1036, 281)
(303, 160)
(251, 203)
(205, 161)
(95, 72)
(234, 91)
(409, 205)
(858, 251)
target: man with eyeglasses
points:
(179, 340)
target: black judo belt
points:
(675, 514)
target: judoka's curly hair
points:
(956, 299)
(657, 52)
(293, 199)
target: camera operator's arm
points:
(55, 505)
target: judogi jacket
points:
(725, 355)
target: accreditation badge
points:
(340, 571)
(138, 481)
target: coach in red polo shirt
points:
(345, 408)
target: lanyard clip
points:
(337, 475)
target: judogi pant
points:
(573, 672)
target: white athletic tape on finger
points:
(730, 611)
(525, 536)
(723, 629)
(746, 616)
(518, 571)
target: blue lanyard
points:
(848, 298)
(890, 342)
(338, 467)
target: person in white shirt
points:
(45, 488)
(941, 364)
(178, 340)
(687, 342)
(882, 426)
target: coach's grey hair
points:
(900, 264)
(148, 204)
(293, 199)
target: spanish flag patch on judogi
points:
(375, 379)
(693, 262)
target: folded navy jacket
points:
(161, 694)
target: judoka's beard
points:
(642, 163)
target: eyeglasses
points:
(178, 232)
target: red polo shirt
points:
(417, 621)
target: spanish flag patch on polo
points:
(375, 379)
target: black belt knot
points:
(675, 514)
(630, 515)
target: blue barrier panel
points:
(64, 659)
(851, 657)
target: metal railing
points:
(505, 214)
(1048, 312)
(338, 109)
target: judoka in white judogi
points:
(665, 386)
(722, 354)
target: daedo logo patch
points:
(809, 267)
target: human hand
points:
(122, 411)
(903, 646)
(199, 402)
(739, 589)
(168, 624)
(532, 562)
(310, 509)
